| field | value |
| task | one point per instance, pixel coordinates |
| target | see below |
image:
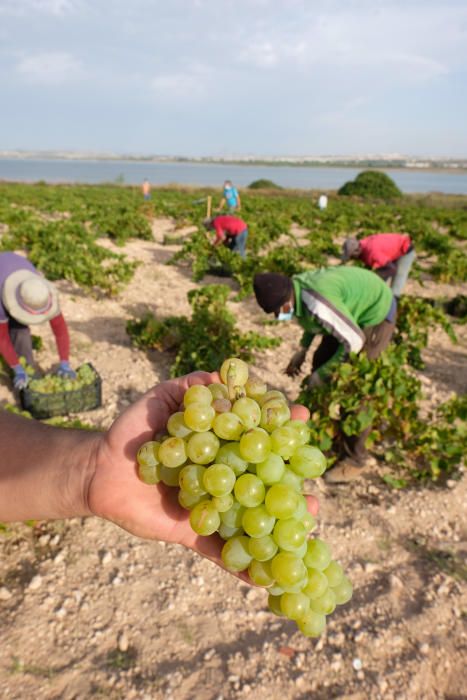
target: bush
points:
(264, 185)
(371, 184)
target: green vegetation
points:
(264, 184)
(371, 184)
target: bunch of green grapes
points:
(53, 384)
(240, 463)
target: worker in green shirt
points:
(353, 309)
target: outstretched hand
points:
(116, 493)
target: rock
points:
(5, 593)
(357, 664)
(106, 557)
(123, 642)
(425, 648)
(35, 583)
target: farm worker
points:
(146, 188)
(323, 202)
(353, 309)
(80, 473)
(231, 231)
(230, 197)
(390, 255)
(27, 299)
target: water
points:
(213, 175)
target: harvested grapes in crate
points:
(240, 463)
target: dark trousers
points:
(21, 340)
(377, 338)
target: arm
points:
(79, 473)
(220, 233)
(62, 337)
(7, 350)
(221, 204)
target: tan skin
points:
(77, 473)
(298, 358)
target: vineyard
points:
(89, 611)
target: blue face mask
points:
(285, 315)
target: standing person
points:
(353, 309)
(231, 231)
(230, 197)
(146, 189)
(27, 299)
(390, 255)
(322, 202)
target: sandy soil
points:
(88, 611)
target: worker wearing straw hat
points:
(27, 299)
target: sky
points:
(225, 78)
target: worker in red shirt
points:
(231, 231)
(390, 255)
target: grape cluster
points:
(53, 384)
(240, 463)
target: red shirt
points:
(228, 226)
(380, 249)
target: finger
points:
(299, 412)
(312, 504)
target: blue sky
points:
(261, 77)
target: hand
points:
(21, 379)
(314, 381)
(116, 493)
(65, 370)
(297, 359)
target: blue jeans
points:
(238, 244)
(402, 272)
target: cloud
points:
(50, 68)
(184, 85)
(21, 8)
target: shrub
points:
(264, 184)
(371, 184)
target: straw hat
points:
(29, 298)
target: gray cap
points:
(350, 249)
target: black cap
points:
(272, 290)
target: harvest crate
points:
(42, 405)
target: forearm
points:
(62, 337)
(7, 350)
(44, 471)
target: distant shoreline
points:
(457, 167)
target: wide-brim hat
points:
(29, 298)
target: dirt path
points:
(88, 611)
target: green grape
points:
(227, 532)
(284, 441)
(334, 573)
(230, 454)
(176, 426)
(296, 587)
(309, 522)
(308, 462)
(255, 445)
(191, 479)
(312, 624)
(222, 405)
(234, 516)
(147, 455)
(255, 388)
(294, 605)
(218, 479)
(218, 391)
(169, 475)
(257, 522)
(318, 554)
(235, 554)
(272, 394)
(228, 426)
(289, 534)
(325, 604)
(172, 452)
(260, 573)
(301, 509)
(274, 413)
(274, 604)
(343, 591)
(223, 503)
(281, 501)
(289, 478)
(204, 518)
(301, 551)
(149, 473)
(202, 448)
(249, 490)
(262, 548)
(190, 500)
(199, 416)
(235, 371)
(275, 590)
(302, 430)
(248, 411)
(316, 585)
(287, 569)
(252, 469)
(197, 394)
(271, 470)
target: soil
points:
(88, 611)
